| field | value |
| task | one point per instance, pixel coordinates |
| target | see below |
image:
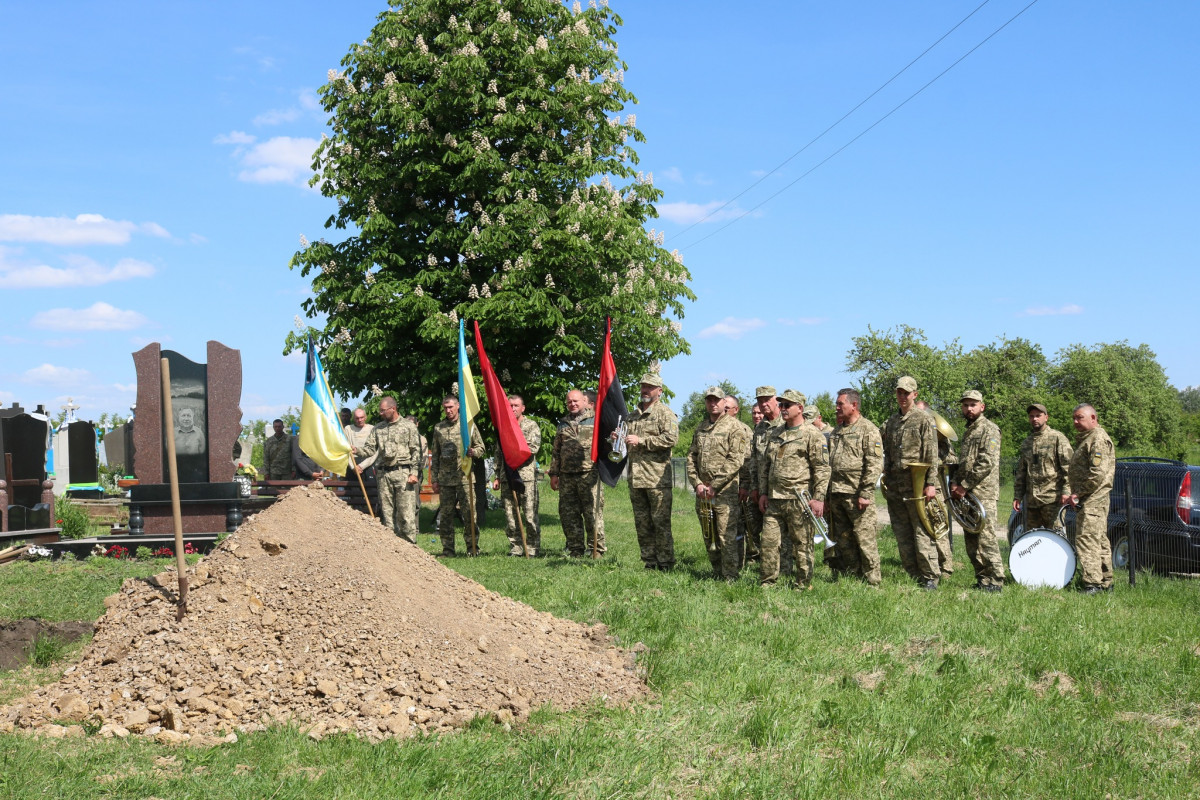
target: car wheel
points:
(1120, 552)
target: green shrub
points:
(46, 649)
(73, 520)
(143, 553)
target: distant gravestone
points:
(81, 450)
(24, 459)
(118, 448)
(62, 460)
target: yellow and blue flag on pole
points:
(468, 400)
(321, 434)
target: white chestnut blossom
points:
(303, 241)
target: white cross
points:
(70, 408)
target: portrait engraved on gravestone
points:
(189, 402)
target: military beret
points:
(793, 396)
(972, 394)
(715, 391)
(764, 391)
(1036, 407)
(810, 412)
(651, 379)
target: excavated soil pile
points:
(314, 613)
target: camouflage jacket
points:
(978, 469)
(277, 458)
(909, 439)
(572, 453)
(797, 458)
(1093, 465)
(761, 434)
(398, 446)
(650, 461)
(717, 453)
(533, 437)
(446, 450)
(1041, 472)
(856, 459)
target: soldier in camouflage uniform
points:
(454, 492)
(772, 421)
(732, 407)
(978, 472)
(1040, 477)
(1093, 465)
(910, 437)
(522, 502)
(797, 459)
(717, 453)
(856, 461)
(277, 455)
(812, 416)
(573, 475)
(748, 495)
(653, 431)
(946, 461)
(396, 446)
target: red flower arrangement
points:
(117, 551)
(189, 549)
(163, 552)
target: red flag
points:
(610, 411)
(512, 442)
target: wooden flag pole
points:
(173, 467)
(520, 523)
(354, 467)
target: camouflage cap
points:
(715, 391)
(793, 396)
(652, 379)
(810, 412)
(907, 383)
(972, 394)
(1036, 407)
(764, 391)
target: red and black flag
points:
(610, 412)
(513, 446)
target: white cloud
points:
(802, 321)
(703, 179)
(690, 213)
(56, 376)
(672, 174)
(235, 137)
(98, 317)
(758, 173)
(196, 238)
(277, 115)
(295, 357)
(1048, 311)
(282, 159)
(309, 100)
(732, 328)
(80, 271)
(84, 229)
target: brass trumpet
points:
(931, 513)
(822, 528)
(708, 521)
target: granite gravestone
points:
(29, 502)
(83, 460)
(118, 448)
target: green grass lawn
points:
(844, 691)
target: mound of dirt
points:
(17, 638)
(316, 614)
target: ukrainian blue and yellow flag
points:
(468, 400)
(321, 435)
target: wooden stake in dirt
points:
(180, 560)
(520, 523)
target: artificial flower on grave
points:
(246, 469)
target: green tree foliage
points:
(694, 411)
(483, 171)
(881, 357)
(825, 404)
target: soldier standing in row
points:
(978, 472)
(453, 490)
(910, 437)
(946, 461)
(396, 447)
(717, 453)
(277, 455)
(573, 475)
(1040, 478)
(523, 501)
(1093, 465)
(732, 407)
(653, 431)
(796, 460)
(772, 421)
(856, 460)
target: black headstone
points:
(118, 448)
(189, 401)
(81, 452)
(25, 439)
(13, 411)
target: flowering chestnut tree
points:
(483, 171)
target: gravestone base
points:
(204, 508)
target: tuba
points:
(932, 513)
(969, 512)
(619, 448)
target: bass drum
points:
(1042, 557)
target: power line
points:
(861, 134)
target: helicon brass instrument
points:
(944, 428)
(969, 512)
(931, 513)
(818, 523)
(708, 523)
(619, 448)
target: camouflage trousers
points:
(581, 511)
(525, 501)
(460, 498)
(856, 536)
(1091, 545)
(399, 503)
(718, 525)
(752, 521)
(1041, 516)
(786, 517)
(652, 519)
(918, 553)
(982, 549)
(945, 545)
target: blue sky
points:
(155, 156)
